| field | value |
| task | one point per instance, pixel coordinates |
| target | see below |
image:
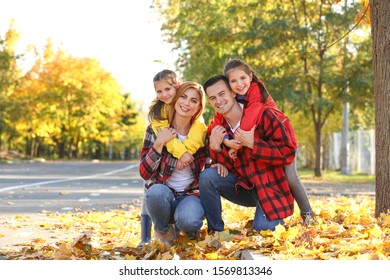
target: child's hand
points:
(232, 143)
(232, 154)
(187, 158)
(180, 165)
(184, 160)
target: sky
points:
(124, 35)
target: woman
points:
(166, 85)
(172, 198)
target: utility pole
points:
(344, 153)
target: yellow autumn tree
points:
(71, 105)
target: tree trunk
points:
(380, 29)
(61, 150)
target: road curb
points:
(253, 255)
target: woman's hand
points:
(221, 169)
(163, 136)
(247, 138)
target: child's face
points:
(239, 80)
(165, 91)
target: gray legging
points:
(297, 188)
(143, 207)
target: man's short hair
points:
(213, 80)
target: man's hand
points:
(221, 169)
(247, 138)
(216, 138)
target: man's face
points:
(220, 97)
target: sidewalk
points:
(315, 188)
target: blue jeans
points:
(164, 208)
(212, 186)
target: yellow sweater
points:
(194, 141)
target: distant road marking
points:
(69, 179)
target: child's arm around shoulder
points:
(159, 125)
(196, 137)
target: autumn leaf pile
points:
(344, 228)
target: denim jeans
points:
(164, 208)
(212, 186)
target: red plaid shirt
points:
(262, 167)
(156, 168)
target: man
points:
(255, 178)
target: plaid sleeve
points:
(198, 165)
(150, 158)
(272, 145)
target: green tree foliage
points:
(9, 76)
(298, 48)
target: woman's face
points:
(188, 104)
(165, 91)
(239, 81)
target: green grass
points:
(336, 176)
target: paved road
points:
(337, 188)
(27, 188)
